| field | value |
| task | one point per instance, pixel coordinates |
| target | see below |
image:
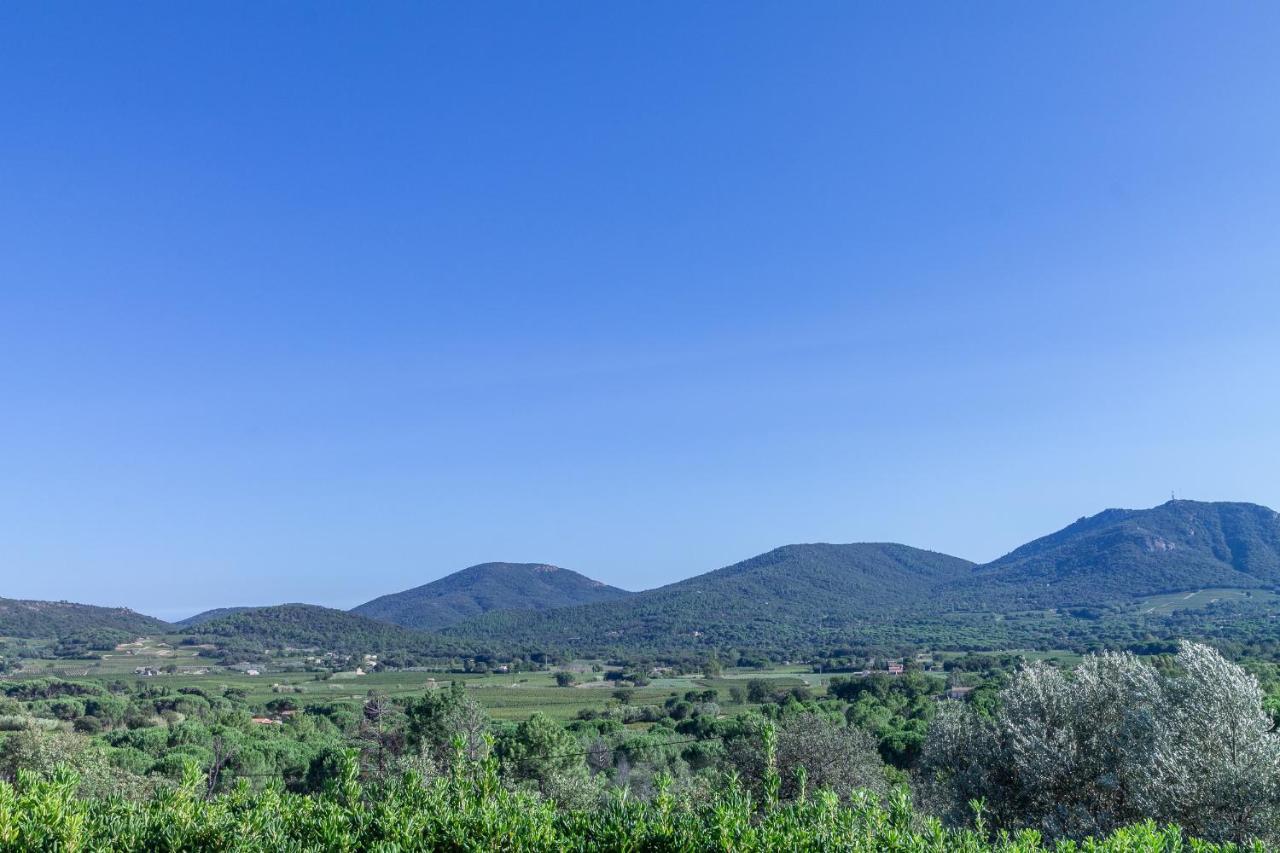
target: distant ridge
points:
(1120, 554)
(792, 591)
(486, 587)
(52, 619)
(818, 593)
(804, 596)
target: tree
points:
(565, 678)
(223, 753)
(1217, 754)
(832, 755)
(538, 749)
(43, 753)
(1112, 743)
(895, 709)
(381, 740)
(434, 718)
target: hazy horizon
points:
(305, 304)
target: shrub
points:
(473, 810)
(88, 725)
(1114, 742)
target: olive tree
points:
(41, 753)
(1111, 743)
(813, 752)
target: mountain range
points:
(796, 594)
(811, 593)
(792, 590)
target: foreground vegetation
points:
(1121, 753)
(472, 809)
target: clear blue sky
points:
(318, 302)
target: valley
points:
(865, 652)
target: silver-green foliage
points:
(1114, 742)
(810, 752)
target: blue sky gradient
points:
(318, 302)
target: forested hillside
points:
(1120, 554)
(57, 619)
(209, 616)
(797, 591)
(484, 588)
(306, 626)
(799, 598)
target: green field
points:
(506, 696)
(513, 696)
(1193, 599)
(153, 652)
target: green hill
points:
(797, 592)
(1121, 554)
(55, 619)
(484, 588)
(209, 616)
(308, 626)
(803, 597)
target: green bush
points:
(472, 810)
